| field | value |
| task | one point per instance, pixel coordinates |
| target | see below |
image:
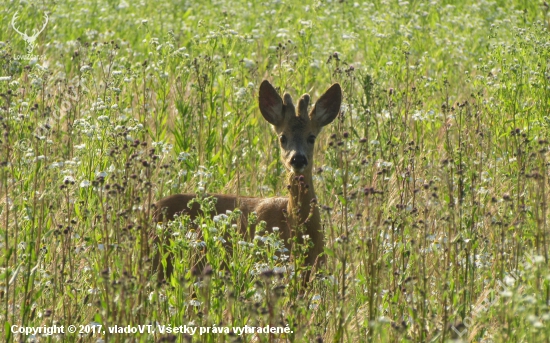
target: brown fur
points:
(299, 209)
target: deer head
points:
(29, 39)
(297, 128)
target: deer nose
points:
(298, 161)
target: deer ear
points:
(271, 104)
(328, 106)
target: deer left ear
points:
(328, 106)
(271, 104)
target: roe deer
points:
(297, 130)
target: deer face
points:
(295, 127)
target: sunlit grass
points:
(431, 182)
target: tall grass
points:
(432, 182)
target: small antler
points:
(43, 27)
(15, 16)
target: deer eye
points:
(282, 139)
(311, 139)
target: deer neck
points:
(301, 210)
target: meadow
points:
(431, 181)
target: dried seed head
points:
(268, 274)
(195, 271)
(207, 271)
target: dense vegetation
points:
(432, 181)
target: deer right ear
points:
(271, 104)
(328, 106)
